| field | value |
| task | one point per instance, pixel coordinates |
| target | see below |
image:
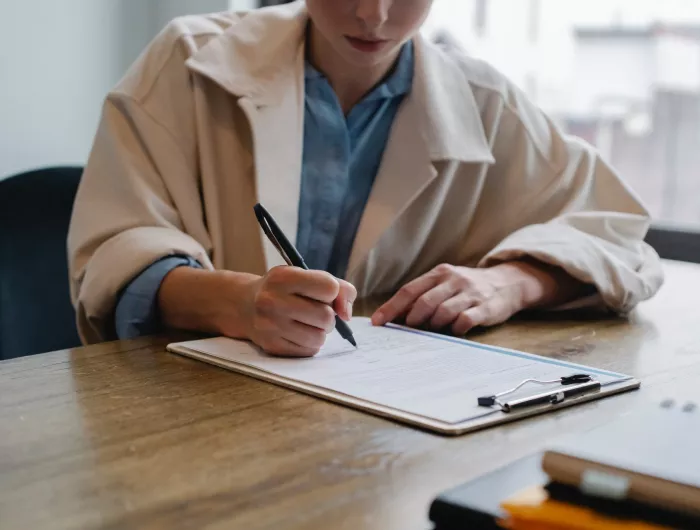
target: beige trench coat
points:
(210, 120)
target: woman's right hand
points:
(287, 312)
(291, 310)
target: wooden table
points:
(125, 435)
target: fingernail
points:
(348, 309)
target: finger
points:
(448, 312)
(302, 335)
(316, 285)
(425, 307)
(342, 305)
(402, 300)
(306, 311)
(469, 319)
(281, 347)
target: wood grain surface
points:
(125, 435)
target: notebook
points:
(535, 509)
(650, 457)
(480, 503)
(424, 379)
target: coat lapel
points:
(405, 170)
(261, 61)
(438, 121)
(260, 58)
(277, 149)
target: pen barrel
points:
(342, 328)
(552, 396)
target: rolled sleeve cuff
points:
(137, 313)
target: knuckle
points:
(280, 276)
(327, 317)
(480, 296)
(265, 303)
(322, 277)
(331, 284)
(407, 291)
(443, 313)
(462, 282)
(276, 273)
(317, 340)
(327, 285)
(423, 304)
(326, 277)
(444, 269)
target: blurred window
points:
(622, 74)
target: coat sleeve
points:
(560, 203)
(139, 198)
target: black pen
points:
(293, 258)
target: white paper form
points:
(421, 373)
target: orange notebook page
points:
(533, 510)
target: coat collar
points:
(260, 60)
(257, 58)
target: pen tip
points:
(352, 341)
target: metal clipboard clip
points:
(572, 385)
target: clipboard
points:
(331, 384)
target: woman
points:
(395, 165)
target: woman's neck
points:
(350, 82)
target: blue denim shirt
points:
(341, 158)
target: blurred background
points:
(623, 74)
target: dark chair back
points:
(36, 314)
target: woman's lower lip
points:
(366, 45)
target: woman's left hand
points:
(463, 298)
